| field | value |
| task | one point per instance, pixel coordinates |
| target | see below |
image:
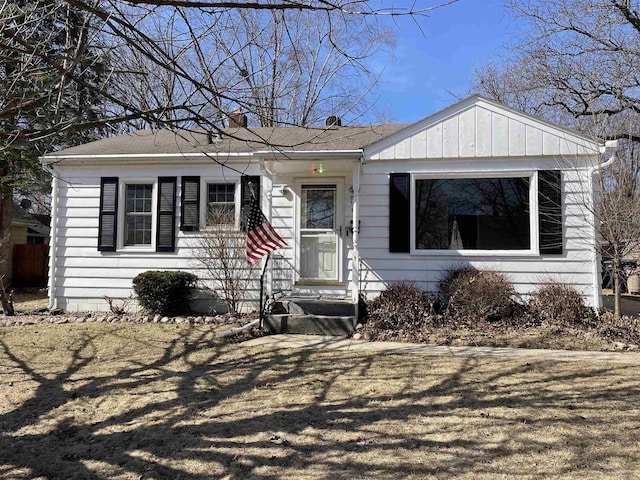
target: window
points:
(221, 204)
(138, 214)
(228, 202)
(472, 214)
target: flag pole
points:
(262, 304)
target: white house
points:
(475, 184)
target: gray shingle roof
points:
(235, 140)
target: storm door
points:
(319, 233)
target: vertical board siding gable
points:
(166, 228)
(108, 214)
(550, 211)
(190, 204)
(399, 212)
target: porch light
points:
(318, 169)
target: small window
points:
(138, 214)
(221, 203)
(472, 214)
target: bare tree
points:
(5, 299)
(578, 65)
(297, 68)
(72, 69)
(220, 250)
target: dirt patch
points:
(502, 335)
(156, 401)
(27, 300)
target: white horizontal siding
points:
(84, 276)
(379, 267)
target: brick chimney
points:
(237, 119)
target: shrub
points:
(624, 329)
(471, 295)
(165, 293)
(403, 311)
(559, 304)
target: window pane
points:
(221, 206)
(472, 214)
(138, 205)
(318, 207)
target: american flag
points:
(261, 237)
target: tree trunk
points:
(5, 300)
(617, 292)
(6, 216)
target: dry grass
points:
(30, 299)
(165, 401)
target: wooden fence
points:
(30, 264)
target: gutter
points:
(308, 154)
(612, 146)
(148, 157)
(53, 242)
(170, 157)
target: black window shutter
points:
(166, 228)
(399, 212)
(248, 184)
(190, 204)
(108, 216)
(550, 211)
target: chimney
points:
(333, 121)
(237, 119)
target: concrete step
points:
(310, 324)
(312, 316)
(314, 306)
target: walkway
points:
(316, 342)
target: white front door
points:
(319, 233)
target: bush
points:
(624, 329)
(403, 311)
(471, 295)
(164, 293)
(559, 304)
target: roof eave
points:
(169, 157)
(308, 154)
(142, 157)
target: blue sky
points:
(431, 71)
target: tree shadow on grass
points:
(198, 408)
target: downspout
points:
(611, 145)
(53, 241)
(355, 232)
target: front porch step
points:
(312, 316)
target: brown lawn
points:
(156, 401)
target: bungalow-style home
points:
(477, 184)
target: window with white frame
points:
(491, 213)
(138, 213)
(221, 204)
